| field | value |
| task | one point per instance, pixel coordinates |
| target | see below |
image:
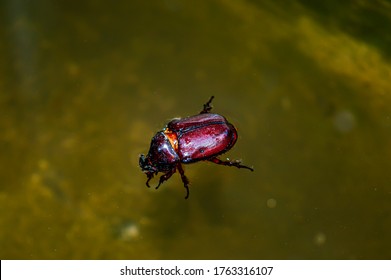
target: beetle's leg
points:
(235, 163)
(165, 177)
(184, 179)
(150, 176)
(207, 106)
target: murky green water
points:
(84, 87)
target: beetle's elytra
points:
(187, 140)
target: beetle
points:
(187, 140)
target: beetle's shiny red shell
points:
(202, 136)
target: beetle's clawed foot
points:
(237, 163)
(186, 185)
(185, 180)
(161, 180)
(187, 192)
(207, 106)
(150, 176)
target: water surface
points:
(84, 87)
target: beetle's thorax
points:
(162, 155)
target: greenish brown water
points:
(84, 87)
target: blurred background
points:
(84, 85)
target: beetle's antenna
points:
(207, 106)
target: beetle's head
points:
(146, 165)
